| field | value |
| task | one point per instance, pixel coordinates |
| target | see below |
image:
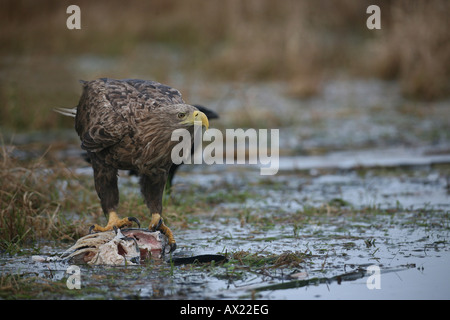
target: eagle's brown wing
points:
(109, 108)
(155, 93)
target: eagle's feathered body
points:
(127, 124)
(122, 123)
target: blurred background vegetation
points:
(289, 50)
(299, 42)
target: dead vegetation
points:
(32, 203)
(414, 49)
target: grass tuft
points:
(32, 204)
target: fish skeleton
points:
(130, 246)
(119, 247)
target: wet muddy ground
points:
(348, 216)
(293, 236)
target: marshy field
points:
(360, 205)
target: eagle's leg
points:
(106, 186)
(115, 221)
(152, 188)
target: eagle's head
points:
(158, 134)
(185, 116)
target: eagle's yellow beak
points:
(197, 117)
(200, 116)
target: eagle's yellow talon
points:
(114, 221)
(157, 223)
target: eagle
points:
(127, 124)
(210, 114)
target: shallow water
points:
(407, 240)
(340, 203)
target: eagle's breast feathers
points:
(128, 123)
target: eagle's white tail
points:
(66, 111)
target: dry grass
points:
(32, 203)
(42, 199)
(415, 48)
(19, 287)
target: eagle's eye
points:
(181, 115)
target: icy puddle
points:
(392, 256)
(360, 233)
